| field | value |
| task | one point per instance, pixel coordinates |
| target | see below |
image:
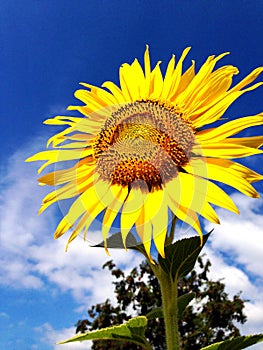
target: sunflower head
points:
(143, 141)
(143, 150)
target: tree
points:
(211, 318)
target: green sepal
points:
(237, 343)
(115, 241)
(132, 331)
(180, 257)
(182, 301)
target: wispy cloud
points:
(240, 237)
(51, 336)
(28, 252)
(236, 251)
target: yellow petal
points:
(156, 82)
(156, 212)
(113, 210)
(186, 78)
(153, 204)
(101, 94)
(229, 129)
(192, 191)
(90, 99)
(237, 168)
(93, 203)
(226, 150)
(144, 230)
(201, 118)
(209, 213)
(248, 79)
(128, 86)
(54, 156)
(217, 196)
(115, 90)
(254, 141)
(132, 81)
(187, 190)
(131, 211)
(147, 69)
(167, 78)
(215, 170)
(199, 79)
(75, 211)
(211, 91)
(138, 76)
(78, 229)
(176, 77)
(186, 215)
(160, 228)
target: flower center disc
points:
(143, 141)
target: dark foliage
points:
(211, 318)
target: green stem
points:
(170, 310)
(169, 293)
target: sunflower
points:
(143, 150)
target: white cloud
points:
(20, 226)
(241, 236)
(51, 336)
(28, 252)
(237, 280)
(80, 269)
(236, 253)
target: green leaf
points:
(237, 343)
(180, 257)
(183, 301)
(133, 331)
(157, 312)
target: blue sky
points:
(47, 48)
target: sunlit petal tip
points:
(41, 168)
(29, 159)
(161, 252)
(62, 228)
(152, 261)
(222, 55)
(67, 245)
(41, 209)
(85, 84)
(124, 238)
(106, 250)
(201, 240)
(50, 121)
